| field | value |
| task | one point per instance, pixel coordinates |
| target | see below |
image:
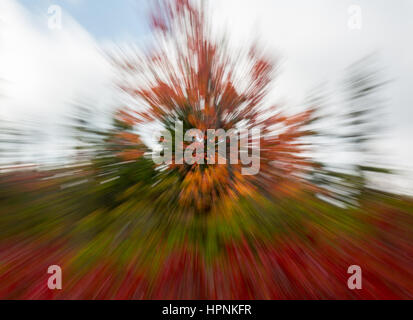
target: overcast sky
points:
(43, 70)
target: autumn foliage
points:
(123, 227)
(193, 77)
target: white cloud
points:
(314, 44)
(44, 70)
(313, 39)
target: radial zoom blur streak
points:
(122, 226)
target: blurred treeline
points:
(111, 211)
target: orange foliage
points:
(193, 78)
